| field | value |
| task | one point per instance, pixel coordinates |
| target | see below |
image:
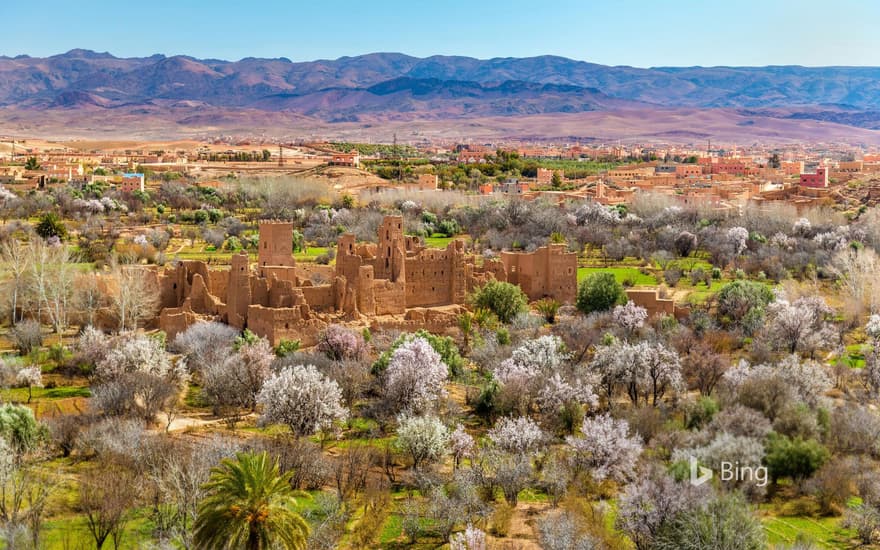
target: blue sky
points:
(641, 33)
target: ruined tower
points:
(390, 254)
(276, 244)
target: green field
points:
(622, 274)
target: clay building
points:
(396, 276)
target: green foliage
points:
(599, 292)
(232, 244)
(795, 458)
(742, 304)
(286, 347)
(505, 300)
(247, 338)
(50, 225)
(20, 428)
(443, 345)
(502, 335)
(249, 504)
(32, 164)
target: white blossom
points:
(802, 227)
(557, 392)
(630, 317)
(800, 325)
(303, 399)
(461, 444)
(738, 237)
(133, 352)
(415, 376)
(606, 448)
(424, 438)
(517, 435)
(469, 539)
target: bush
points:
(548, 308)
(599, 292)
(286, 347)
(505, 300)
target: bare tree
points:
(16, 264)
(135, 298)
(105, 504)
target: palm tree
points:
(249, 506)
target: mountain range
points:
(83, 85)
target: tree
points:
(630, 317)
(505, 300)
(649, 504)
(563, 530)
(20, 429)
(105, 505)
(469, 539)
(606, 448)
(461, 445)
(204, 344)
(135, 297)
(340, 343)
(519, 435)
(423, 438)
(647, 371)
(742, 304)
(249, 505)
(32, 164)
(15, 259)
(415, 376)
(795, 458)
(599, 292)
(685, 243)
(801, 325)
(303, 399)
(50, 225)
(26, 336)
(738, 238)
(555, 180)
(723, 523)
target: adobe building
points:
(397, 282)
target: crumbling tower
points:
(276, 244)
(390, 253)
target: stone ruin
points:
(393, 283)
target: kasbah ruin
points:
(396, 283)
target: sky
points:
(641, 33)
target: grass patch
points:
(622, 274)
(824, 532)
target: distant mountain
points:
(394, 86)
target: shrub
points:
(505, 300)
(599, 292)
(548, 307)
(286, 347)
